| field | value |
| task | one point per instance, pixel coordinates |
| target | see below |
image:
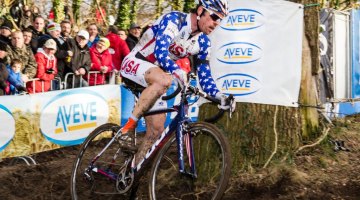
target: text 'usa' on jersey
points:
(170, 39)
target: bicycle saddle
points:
(132, 86)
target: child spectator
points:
(101, 60)
(14, 80)
(46, 69)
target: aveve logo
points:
(69, 117)
(7, 127)
(238, 53)
(239, 84)
(243, 19)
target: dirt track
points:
(315, 174)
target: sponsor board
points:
(239, 53)
(69, 117)
(7, 127)
(243, 20)
(239, 84)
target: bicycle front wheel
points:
(93, 176)
(212, 161)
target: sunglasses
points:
(214, 16)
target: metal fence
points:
(74, 81)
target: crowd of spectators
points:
(38, 55)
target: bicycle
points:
(203, 170)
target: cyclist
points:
(173, 36)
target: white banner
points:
(43, 121)
(256, 52)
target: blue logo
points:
(243, 19)
(239, 84)
(239, 53)
(70, 116)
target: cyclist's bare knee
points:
(158, 77)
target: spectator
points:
(62, 47)
(133, 36)
(118, 48)
(37, 30)
(18, 50)
(68, 14)
(80, 62)
(27, 36)
(3, 72)
(94, 35)
(101, 62)
(26, 18)
(35, 11)
(5, 32)
(14, 79)
(3, 52)
(65, 29)
(122, 33)
(46, 71)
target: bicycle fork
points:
(187, 139)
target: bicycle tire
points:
(167, 183)
(100, 186)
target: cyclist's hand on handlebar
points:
(181, 75)
(226, 102)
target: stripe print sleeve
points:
(206, 81)
(168, 29)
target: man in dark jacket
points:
(5, 32)
(79, 63)
(134, 35)
(38, 30)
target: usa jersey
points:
(170, 39)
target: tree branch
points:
(321, 138)
(101, 12)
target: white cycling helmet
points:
(218, 6)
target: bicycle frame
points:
(176, 126)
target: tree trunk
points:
(188, 5)
(76, 10)
(134, 11)
(159, 8)
(123, 16)
(58, 6)
(260, 134)
(177, 5)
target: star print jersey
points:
(170, 39)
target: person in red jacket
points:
(46, 69)
(118, 47)
(101, 60)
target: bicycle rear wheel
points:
(213, 166)
(97, 180)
